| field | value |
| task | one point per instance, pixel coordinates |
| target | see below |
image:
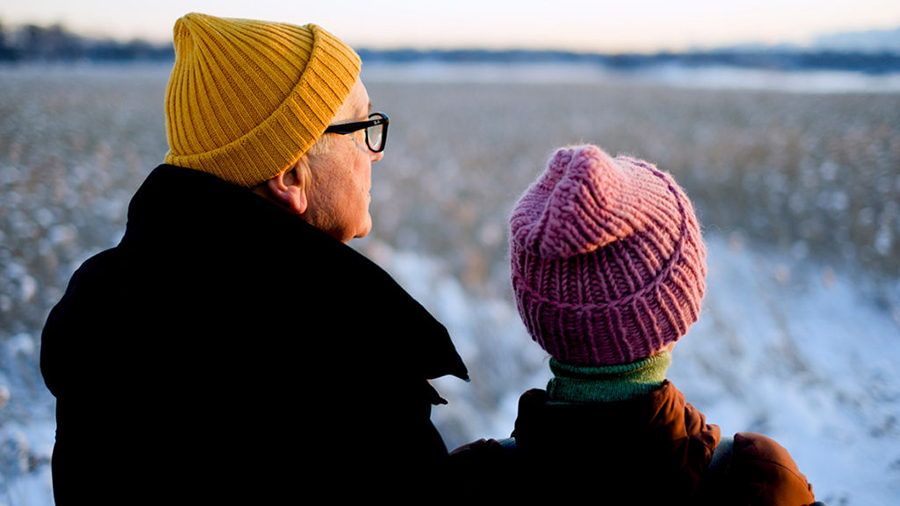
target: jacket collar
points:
(207, 216)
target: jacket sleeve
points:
(762, 472)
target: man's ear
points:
(289, 190)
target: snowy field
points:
(796, 178)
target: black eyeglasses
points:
(376, 130)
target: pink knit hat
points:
(608, 266)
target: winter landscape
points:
(795, 176)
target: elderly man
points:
(232, 348)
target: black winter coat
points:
(227, 352)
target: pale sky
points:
(582, 25)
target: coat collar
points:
(241, 232)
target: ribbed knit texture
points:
(611, 383)
(247, 98)
(608, 265)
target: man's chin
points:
(365, 230)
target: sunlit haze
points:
(582, 25)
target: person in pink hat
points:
(608, 270)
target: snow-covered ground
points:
(802, 353)
(787, 345)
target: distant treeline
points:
(774, 59)
(32, 43)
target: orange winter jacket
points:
(653, 450)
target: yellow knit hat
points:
(247, 98)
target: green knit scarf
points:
(573, 383)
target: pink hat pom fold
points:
(562, 207)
